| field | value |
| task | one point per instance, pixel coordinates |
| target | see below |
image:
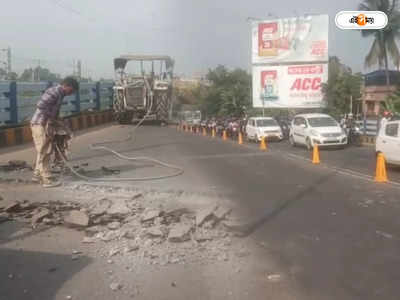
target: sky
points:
(198, 34)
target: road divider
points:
(381, 175)
(315, 158)
(22, 134)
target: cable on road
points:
(131, 137)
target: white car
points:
(388, 142)
(320, 129)
(260, 127)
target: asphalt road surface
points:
(331, 231)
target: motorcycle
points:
(234, 128)
(354, 136)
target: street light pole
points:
(351, 104)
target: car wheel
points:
(291, 141)
(308, 144)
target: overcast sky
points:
(198, 34)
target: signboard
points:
(291, 86)
(291, 40)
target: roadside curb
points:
(23, 135)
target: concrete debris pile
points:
(15, 165)
(49, 212)
(125, 229)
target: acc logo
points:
(361, 20)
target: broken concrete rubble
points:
(114, 225)
(204, 214)
(109, 236)
(40, 215)
(180, 233)
(91, 231)
(162, 234)
(118, 209)
(113, 252)
(221, 212)
(88, 240)
(9, 205)
(155, 232)
(77, 218)
(15, 165)
(150, 215)
(101, 207)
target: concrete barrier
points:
(22, 134)
(368, 140)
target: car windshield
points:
(266, 123)
(322, 122)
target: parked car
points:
(320, 129)
(388, 142)
(260, 127)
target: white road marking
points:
(227, 155)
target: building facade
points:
(375, 90)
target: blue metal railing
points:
(18, 100)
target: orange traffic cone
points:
(381, 175)
(315, 159)
(213, 133)
(263, 144)
(224, 136)
(240, 139)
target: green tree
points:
(384, 44)
(12, 76)
(39, 74)
(392, 102)
(228, 93)
(3, 73)
(342, 86)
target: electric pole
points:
(79, 69)
(9, 69)
(73, 68)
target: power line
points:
(72, 10)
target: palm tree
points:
(384, 43)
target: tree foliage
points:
(384, 44)
(228, 93)
(39, 74)
(341, 86)
(3, 73)
(392, 102)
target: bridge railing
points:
(18, 100)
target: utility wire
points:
(72, 10)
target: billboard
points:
(290, 40)
(289, 86)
